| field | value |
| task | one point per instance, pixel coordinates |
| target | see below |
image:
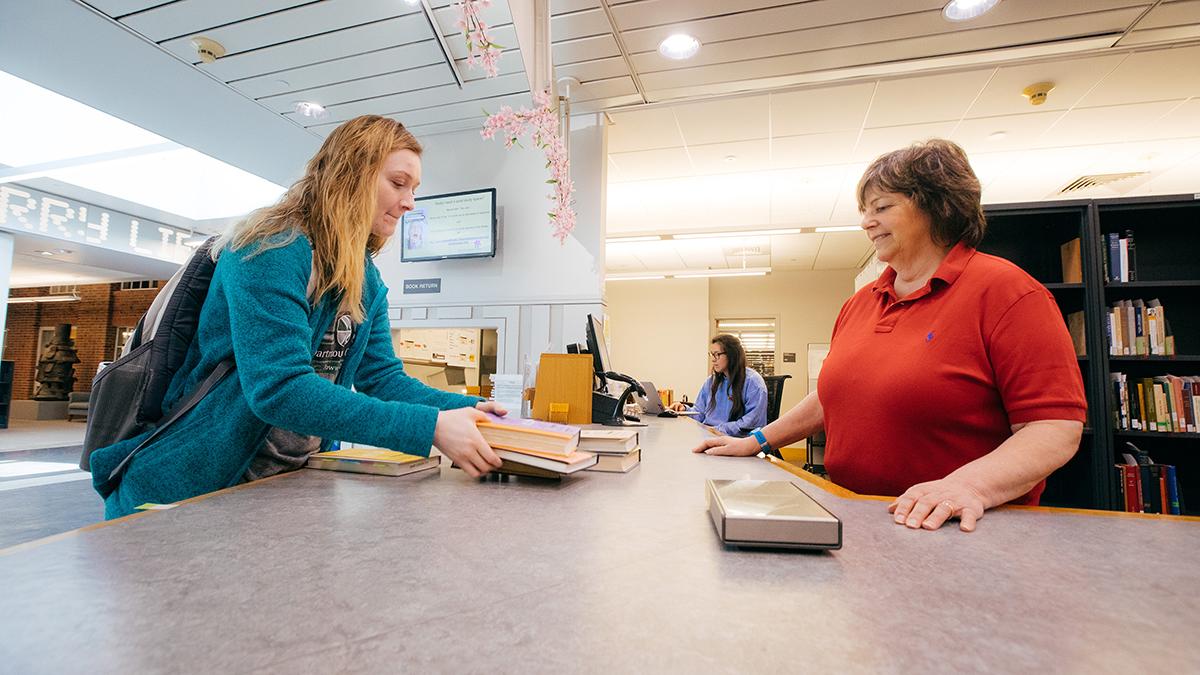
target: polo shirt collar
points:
(948, 271)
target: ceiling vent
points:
(1096, 180)
(746, 250)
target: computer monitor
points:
(595, 340)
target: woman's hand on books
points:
(459, 439)
(728, 446)
(929, 505)
(491, 407)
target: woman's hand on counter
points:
(930, 505)
(728, 446)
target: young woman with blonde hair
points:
(300, 307)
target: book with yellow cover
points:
(372, 460)
(514, 433)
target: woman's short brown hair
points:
(938, 178)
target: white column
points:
(6, 256)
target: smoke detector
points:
(1036, 93)
(207, 49)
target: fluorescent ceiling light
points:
(679, 46)
(724, 273)
(840, 228)
(750, 324)
(635, 278)
(48, 135)
(43, 298)
(630, 240)
(738, 233)
(965, 10)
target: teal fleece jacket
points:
(257, 312)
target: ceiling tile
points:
(795, 251)
(1020, 131)
(804, 196)
(735, 119)
(643, 130)
(842, 250)
(926, 99)
(654, 164)
(1109, 124)
(812, 111)
(1149, 76)
(739, 156)
(812, 149)
(373, 63)
(875, 142)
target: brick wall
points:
(99, 309)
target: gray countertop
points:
(333, 572)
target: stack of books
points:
(616, 450)
(372, 460)
(533, 447)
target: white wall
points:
(805, 303)
(535, 291)
(659, 331)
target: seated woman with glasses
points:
(733, 399)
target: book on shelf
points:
(1147, 487)
(608, 441)
(562, 464)
(1164, 403)
(617, 462)
(1076, 327)
(1072, 266)
(1121, 262)
(1139, 328)
(377, 461)
(514, 433)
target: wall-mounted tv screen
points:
(456, 225)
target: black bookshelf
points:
(1031, 236)
(1168, 269)
(6, 382)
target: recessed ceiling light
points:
(965, 10)
(45, 252)
(310, 109)
(679, 46)
(839, 228)
(997, 135)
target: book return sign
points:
(422, 286)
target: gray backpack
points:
(127, 396)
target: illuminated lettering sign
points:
(24, 209)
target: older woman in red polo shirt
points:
(951, 381)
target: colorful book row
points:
(1166, 403)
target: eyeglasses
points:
(716, 355)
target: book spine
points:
(1172, 490)
(1146, 485)
(1123, 253)
(1139, 331)
(1132, 256)
(1133, 491)
(1114, 257)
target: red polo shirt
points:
(914, 388)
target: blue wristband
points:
(763, 445)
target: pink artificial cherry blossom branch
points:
(480, 48)
(541, 124)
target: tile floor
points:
(42, 490)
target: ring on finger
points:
(948, 504)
